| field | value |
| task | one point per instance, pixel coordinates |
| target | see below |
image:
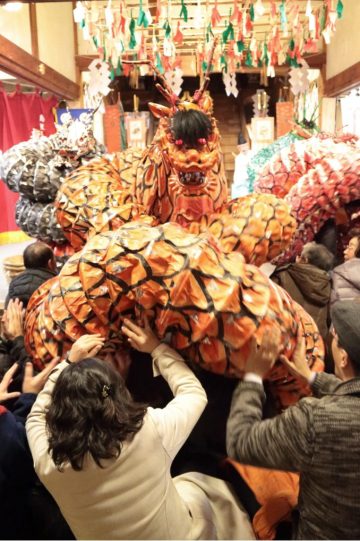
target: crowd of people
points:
(85, 455)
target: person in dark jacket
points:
(346, 277)
(40, 266)
(308, 282)
(17, 475)
(318, 437)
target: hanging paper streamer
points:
(215, 15)
(283, 18)
(259, 9)
(175, 79)
(228, 33)
(229, 80)
(109, 16)
(167, 29)
(299, 80)
(79, 13)
(142, 19)
(339, 9)
(132, 42)
(99, 78)
(116, 34)
(178, 38)
(184, 11)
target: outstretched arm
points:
(284, 442)
(174, 422)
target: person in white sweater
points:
(106, 459)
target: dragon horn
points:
(199, 93)
(163, 87)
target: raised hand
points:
(262, 358)
(34, 384)
(87, 345)
(142, 339)
(7, 379)
(298, 365)
(13, 320)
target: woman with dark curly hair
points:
(106, 459)
(97, 424)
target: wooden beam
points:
(25, 66)
(33, 30)
(343, 82)
(317, 60)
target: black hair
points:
(37, 255)
(91, 412)
(318, 255)
(190, 126)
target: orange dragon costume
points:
(155, 234)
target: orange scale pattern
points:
(210, 316)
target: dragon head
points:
(190, 172)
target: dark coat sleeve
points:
(284, 443)
(15, 458)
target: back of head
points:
(190, 126)
(91, 412)
(345, 317)
(318, 255)
(38, 255)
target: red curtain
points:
(19, 115)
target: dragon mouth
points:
(195, 178)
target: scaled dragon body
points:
(195, 278)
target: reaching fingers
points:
(7, 379)
(44, 374)
(130, 325)
(14, 394)
(29, 370)
(95, 350)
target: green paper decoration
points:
(240, 45)
(266, 55)
(142, 19)
(228, 33)
(95, 41)
(323, 18)
(132, 42)
(252, 12)
(184, 11)
(248, 60)
(204, 66)
(223, 63)
(167, 28)
(339, 9)
(158, 63)
(283, 18)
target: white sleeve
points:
(175, 422)
(36, 423)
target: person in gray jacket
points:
(346, 277)
(318, 437)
